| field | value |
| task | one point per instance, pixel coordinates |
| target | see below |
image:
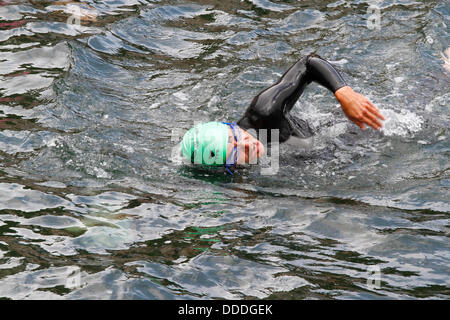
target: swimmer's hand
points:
(358, 108)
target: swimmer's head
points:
(220, 144)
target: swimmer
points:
(229, 144)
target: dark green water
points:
(92, 207)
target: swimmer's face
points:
(250, 148)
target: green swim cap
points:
(206, 143)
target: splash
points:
(403, 123)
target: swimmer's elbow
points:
(322, 72)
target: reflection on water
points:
(91, 205)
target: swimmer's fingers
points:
(360, 124)
(371, 119)
(372, 124)
(375, 110)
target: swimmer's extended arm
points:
(356, 107)
(268, 107)
(282, 96)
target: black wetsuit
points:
(270, 109)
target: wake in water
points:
(403, 123)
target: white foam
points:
(403, 123)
